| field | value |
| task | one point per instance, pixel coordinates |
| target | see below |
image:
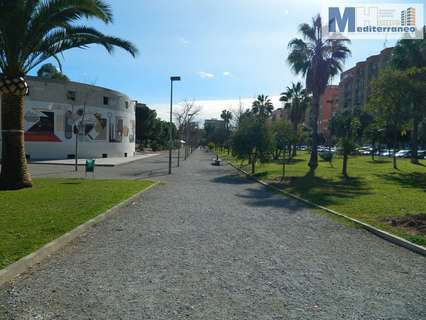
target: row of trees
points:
(396, 108)
(151, 131)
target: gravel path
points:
(210, 245)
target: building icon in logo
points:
(408, 17)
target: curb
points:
(378, 232)
(24, 264)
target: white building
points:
(106, 119)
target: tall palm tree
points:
(227, 117)
(318, 59)
(412, 54)
(296, 101)
(32, 31)
(262, 107)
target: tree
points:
(146, 125)
(30, 33)
(346, 126)
(318, 59)
(283, 137)
(185, 118)
(49, 71)
(388, 103)
(262, 107)
(296, 100)
(252, 141)
(227, 118)
(412, 54)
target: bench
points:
(217, 162)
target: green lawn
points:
(31, 218)
(374, 191)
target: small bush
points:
(211, 146)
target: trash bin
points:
(90, 166)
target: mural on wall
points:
(95, 127)
(132, 131)
(116, 128)
(69, 122)
(40, 126)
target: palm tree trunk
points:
(294, 153)
(395, 165)
(395, 145)
(345, 166)
(313, 161)
(14, 169)
(414, 142)
(253, 164)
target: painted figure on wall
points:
(40, 126)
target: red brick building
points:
(328, 107)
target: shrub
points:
(211, 146)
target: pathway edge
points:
(376, 231)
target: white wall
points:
(109, 129)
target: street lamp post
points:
(172, 79)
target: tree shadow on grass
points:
(289, 161)
(407, 180)
(325, 191)
(71, 183)
(379, 161)
(260, 175)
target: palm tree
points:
(296, 100)
(262, 107)
(32, 31)
(318, 59)
(226, 117)
(412, 54)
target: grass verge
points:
(375, 193)
(31, 218)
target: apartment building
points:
(328, 107)
(355, 83)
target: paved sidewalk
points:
(147, 168)
(101, 162)
(210, 245)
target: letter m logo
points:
(335, 18)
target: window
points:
(71, 95)
(126, 104)
(106, 101)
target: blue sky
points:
(223, 49)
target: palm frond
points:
(36, 30)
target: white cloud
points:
(227, 74)
(205, 75)
(184, 41)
